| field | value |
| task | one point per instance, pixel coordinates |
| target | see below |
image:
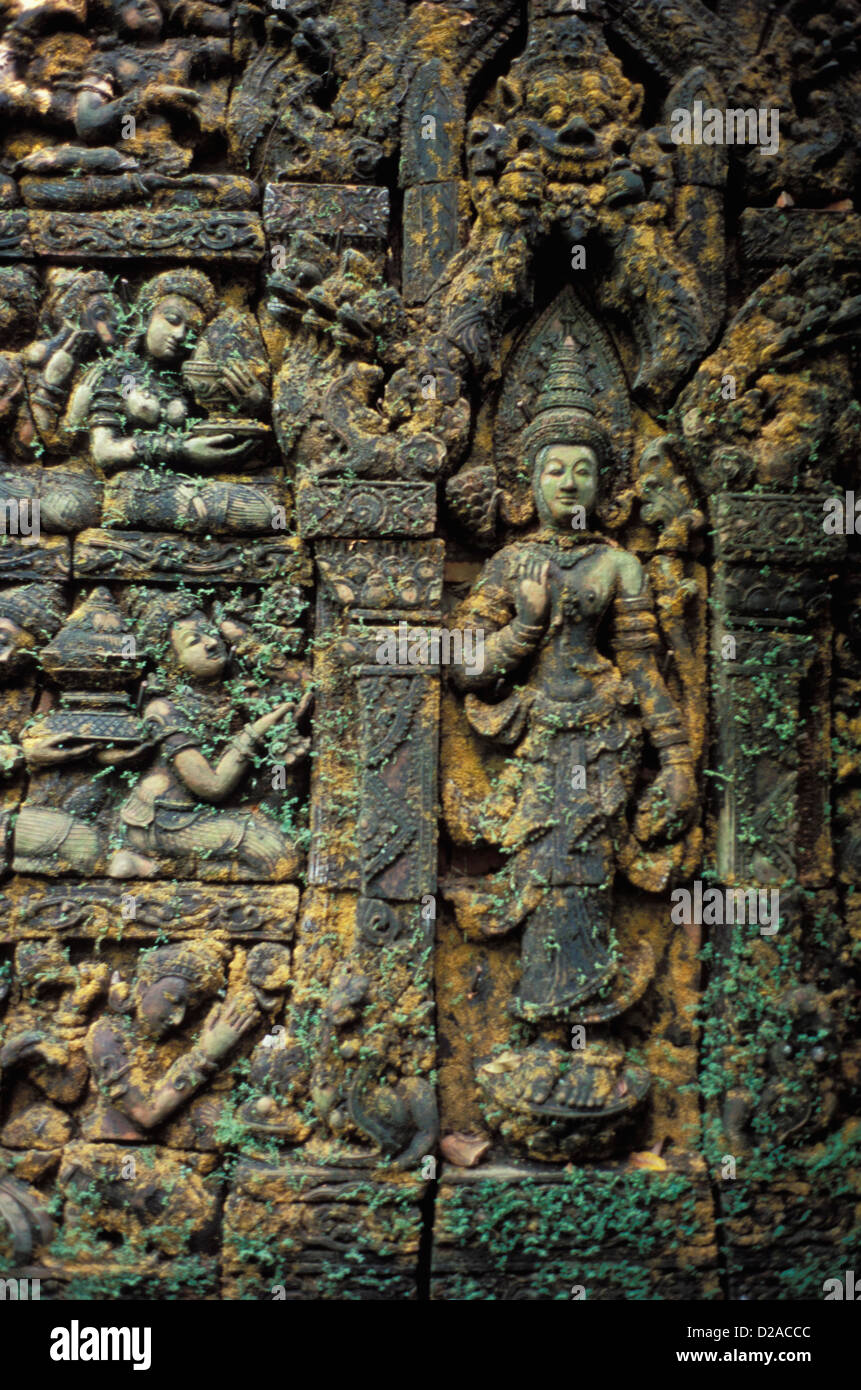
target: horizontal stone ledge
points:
(781, 527)
(133, 234)
(246, 911)
(166, 557)
(28, 558)
(336, 508)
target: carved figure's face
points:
(162, 1007)
(198, 648)
(15, 647)
(172, 322)
(139, 19)
(568, 479)
(484, 147)
(100, 316)
(573, 127)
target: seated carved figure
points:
(86, 314)
(70, 818)
(41, 389)
(575, 722)
(129, 99)
(170, 813)
(77, 320)
(40, 74)
(149, 80)
(140, 1085)
(24, 1220)
(142, 421)
(138, 412)
(92, 728)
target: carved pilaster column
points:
(379, 679)
(771, 661)
(435, 197)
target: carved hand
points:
(62, 362)
(169, 96)
(242, 383)
(82, 396)
(532, 596)
(275, 716)
(225, 1025)
(92, 984)
(667, 808)
(216, 449)
(294, 747)
(51, 749)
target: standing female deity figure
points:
(575, 721)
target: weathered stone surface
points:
(784, 236)
(430, 751)
(301, 1232)
(594, 1233)
(20, 558)
(206, 236)
(129, 555)
(331, 211)
(433, 214)
(365, 509)
(95, 910)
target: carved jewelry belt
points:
(567, 713)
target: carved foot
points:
(126, 864)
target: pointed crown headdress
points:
(200, 963)
(565, 410)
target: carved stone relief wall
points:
(430, 769)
